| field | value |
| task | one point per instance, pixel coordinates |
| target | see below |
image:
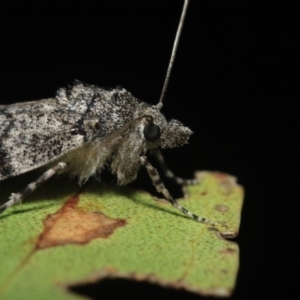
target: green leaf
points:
(63, 235)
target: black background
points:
(233, 84)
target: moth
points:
(86, 128)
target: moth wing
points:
(32, 134)
(49, 104)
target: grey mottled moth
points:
(85, 128)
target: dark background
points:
(234, 84)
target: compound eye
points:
(152, 132)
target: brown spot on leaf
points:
(229, 251)
(226, 182)
(71, 225)
(221, 208)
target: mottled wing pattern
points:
(32, 134)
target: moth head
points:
(175, 135)
(158, 132)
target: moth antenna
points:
(173, 54)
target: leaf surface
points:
(63, 235)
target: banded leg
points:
(160, 187)
(17, 198)
(168, 173)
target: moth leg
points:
(18, 197)
(169, 174)
(160, 187)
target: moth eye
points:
(152, 132)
